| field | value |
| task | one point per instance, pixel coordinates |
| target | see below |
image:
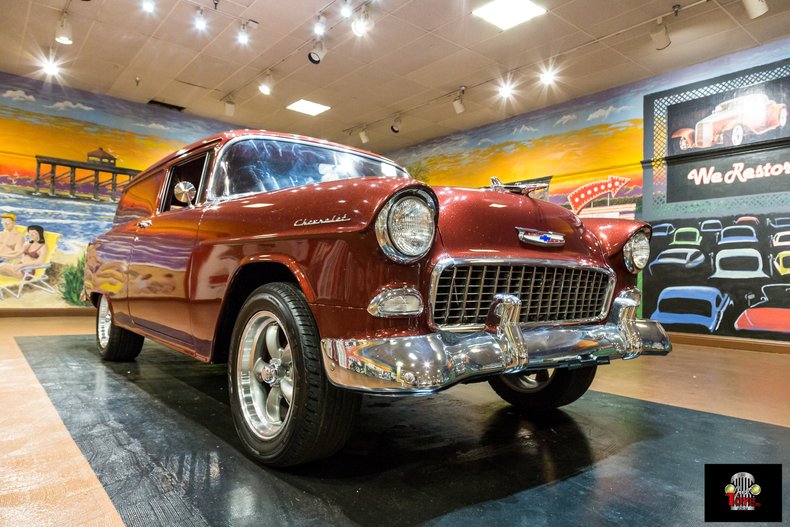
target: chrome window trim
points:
(443, 264)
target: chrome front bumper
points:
(427, 363)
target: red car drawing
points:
(319, 272)
(733, 120)
(771, 313)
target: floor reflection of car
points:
(738, 263)
(686, 236)
(686, 258)
(781, 239)
(733, 120)
(770, 313)
(781, 263)
(778, 223)
(692, 305)
(663, 229)
(737, 234)
(707, 226)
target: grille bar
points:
(550, 294)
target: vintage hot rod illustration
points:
(319, 272)
(733, 120)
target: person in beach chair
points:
(12, 239)
(31, 266)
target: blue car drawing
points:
(738, 234)
(693, 305)
(663, 229)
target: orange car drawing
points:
(733, 120)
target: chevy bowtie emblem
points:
(534, 237)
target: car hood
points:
(765, 318)
(482, 223)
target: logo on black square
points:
(743, 493)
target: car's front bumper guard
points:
(427, 363)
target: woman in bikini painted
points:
(35, 253)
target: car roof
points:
(693, 291)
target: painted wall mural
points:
(64, 157)
(714, 178)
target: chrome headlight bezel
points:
(638, 242)
(383, 231)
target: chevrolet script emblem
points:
(534, 237)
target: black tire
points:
(115, 344)
(562, 387)
(319, 417)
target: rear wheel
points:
(543, 390)
(735, 136)
(284, 409)
(114, 343)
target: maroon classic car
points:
(733, 120)
(320, 272)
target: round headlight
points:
(637, 252)
(406, 226)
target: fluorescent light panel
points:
(505, 14)
(308, 107)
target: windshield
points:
(686, 236)
(685, 306)
(738, 231)
(776, 296)
(740, 263)
(264, 165)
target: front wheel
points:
(284, 409)
(543, 390)
(115, 344)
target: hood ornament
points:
(516, 188)
(535, 237)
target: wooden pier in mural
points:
(98, 174)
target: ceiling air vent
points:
(165, 105)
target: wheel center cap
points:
(270, 372)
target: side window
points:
(241, 169)
(139, 199)
(192, 171)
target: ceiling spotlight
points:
(318, 52)
(63, 32)
(346, 10)
(660, 35)
(50, 67)
(396, 125)
(363, 136)
(267, 85)
(506, 90)
(243, 37)
(458, 102)
(319, 28)
(230, 108)
(149, 6)
(755, 8)
(547, 77)
(362, 22)
(505, 14)
(200, 20)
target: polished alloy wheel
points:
(264, 375)
(529, 382)
(104, 322)
(737, 135)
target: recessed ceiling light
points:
(547, 77)
(149, 6)
(505, 14)
(308, 107)
(200, 20)
(50, 67)
(505, 90)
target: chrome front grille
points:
(550, 293)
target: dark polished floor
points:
(158, 434)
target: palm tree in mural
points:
(418, 170)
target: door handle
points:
(144, 224)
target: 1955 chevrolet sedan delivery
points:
(320, 272)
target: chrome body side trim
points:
(424, 364)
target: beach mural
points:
(65, 156)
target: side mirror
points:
(185, 192)
(749, 297)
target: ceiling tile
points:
(417, 54)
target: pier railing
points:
(106, 180)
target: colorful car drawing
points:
(686, 236)
(693, 305)
(782, 262)
(778, 223)
(710, 226)
(750, 220)
(738, 263)
(685, 258)
(771, 313)
(733, 120)
(737, 234)
(781, 239)
(663, 229)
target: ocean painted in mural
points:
(92, 145)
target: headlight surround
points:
(406, 226)
(636, 252)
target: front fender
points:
(614, 232)
(686, 133)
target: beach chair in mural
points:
(34, 276)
